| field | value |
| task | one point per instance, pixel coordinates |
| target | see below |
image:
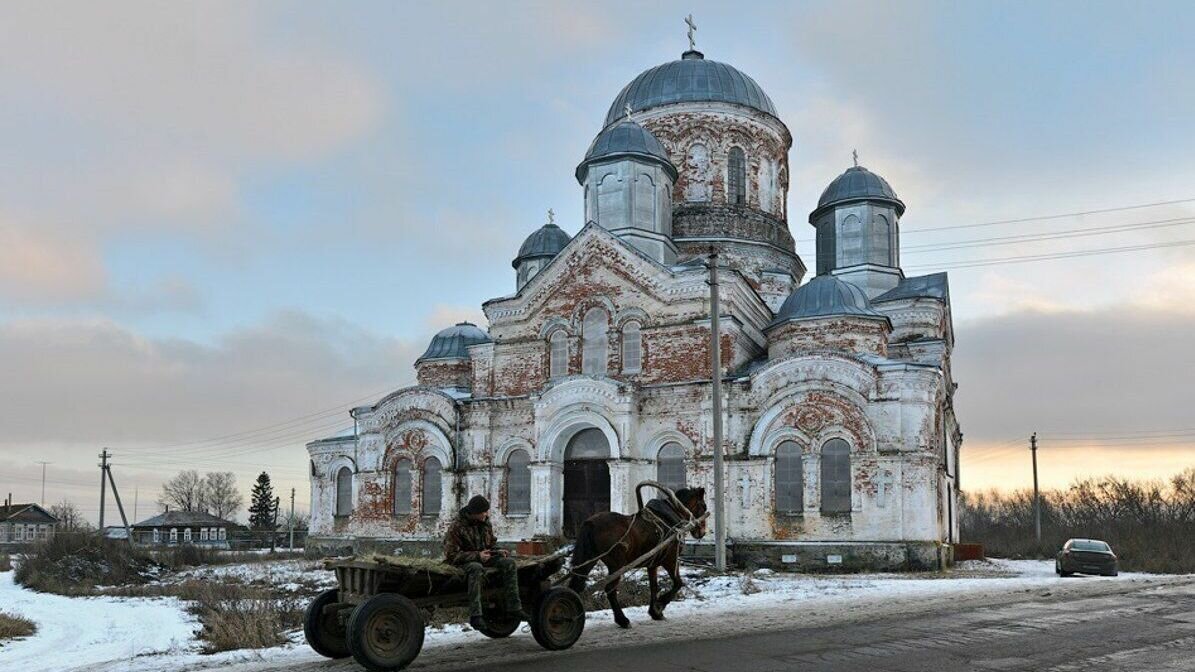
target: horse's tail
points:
(584, 557)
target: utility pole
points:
(716, 391)
(1036, 492)
(43, 482)
(103, 485)
(128, 531)
(292, 519)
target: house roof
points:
(25, 513)
(180, 518)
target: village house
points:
(22, 524)
(841, 439)
(185, 527)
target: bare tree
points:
(220, 495)
(184, 492)
(69, 517)
(300, 520)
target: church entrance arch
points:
(586, 478)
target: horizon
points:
(219, 227)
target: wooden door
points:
(586, 492)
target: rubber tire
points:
(315, 627)
(499, 626)
(544, 606)
(401, 608)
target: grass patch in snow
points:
(12, 627)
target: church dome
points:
(858, 184)
(452, 342)
(691, 79)
(546, 241)
(825, 296)
(625, 139)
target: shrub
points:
(74, 563)
(236, 616)
(5, 563)
(1150, 524)
(12, 626)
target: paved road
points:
(1149, 628)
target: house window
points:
(344, 491)
(187, 535)
(203, 534)
(431, 486)
(402, 487)
(670, 466)
(790, 478)
(174, 535)
(593, 334)
(558, 354)
(736, 177)
(836, 477)
(518, 483)
(223, 534)
(632, 348)
(157, 536)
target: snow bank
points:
(84, 632)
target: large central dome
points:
(691, 79)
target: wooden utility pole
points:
(1036, 492)
(103, 485)
(292, 519)
(128, 531)
(43, 482)
(716, 392)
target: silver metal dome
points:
(825, 296)
(625, 138)
(452, 343)
(546, 241)
(858, 184)
(690, 79)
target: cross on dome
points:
(692, 29)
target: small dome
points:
(452, 342)
(546, 241)
(625, 138)
(691, 79)
(858, 184)
(825, 296)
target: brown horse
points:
(615, 539)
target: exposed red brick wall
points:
(830, 333)
(445, 373)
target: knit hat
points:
(477, 504)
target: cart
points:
(377, 613)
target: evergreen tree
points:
(261, 508)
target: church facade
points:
(841, 442)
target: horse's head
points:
(694, 501)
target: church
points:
(841, 443)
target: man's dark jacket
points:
(467, 538)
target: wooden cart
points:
(377, 612)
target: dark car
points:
(1085, 556)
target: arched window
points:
(593, 333)
(736, 177)
(880, 243)
(697, 167)
(518, 483)
(558, 354)
(431, 487)
(173, 535)
(402, 487)
(836, 477)
(790, 478)
(187, 535)
(670, 466)
(632, 348)
(344, 491)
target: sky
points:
(223, 224)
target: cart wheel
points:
(386, 632)
(498, 624)
(324, 630)
(558, 619)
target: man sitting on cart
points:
(470, 544)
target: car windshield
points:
(1089, 545)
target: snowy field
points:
(155, 635)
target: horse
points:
(616, 539)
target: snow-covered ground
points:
(84, 632)
(157, 635)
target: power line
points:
(1058, 235)
(975, 263)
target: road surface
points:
(1134, 629)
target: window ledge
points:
(519, 515)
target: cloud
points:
(38, 266)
